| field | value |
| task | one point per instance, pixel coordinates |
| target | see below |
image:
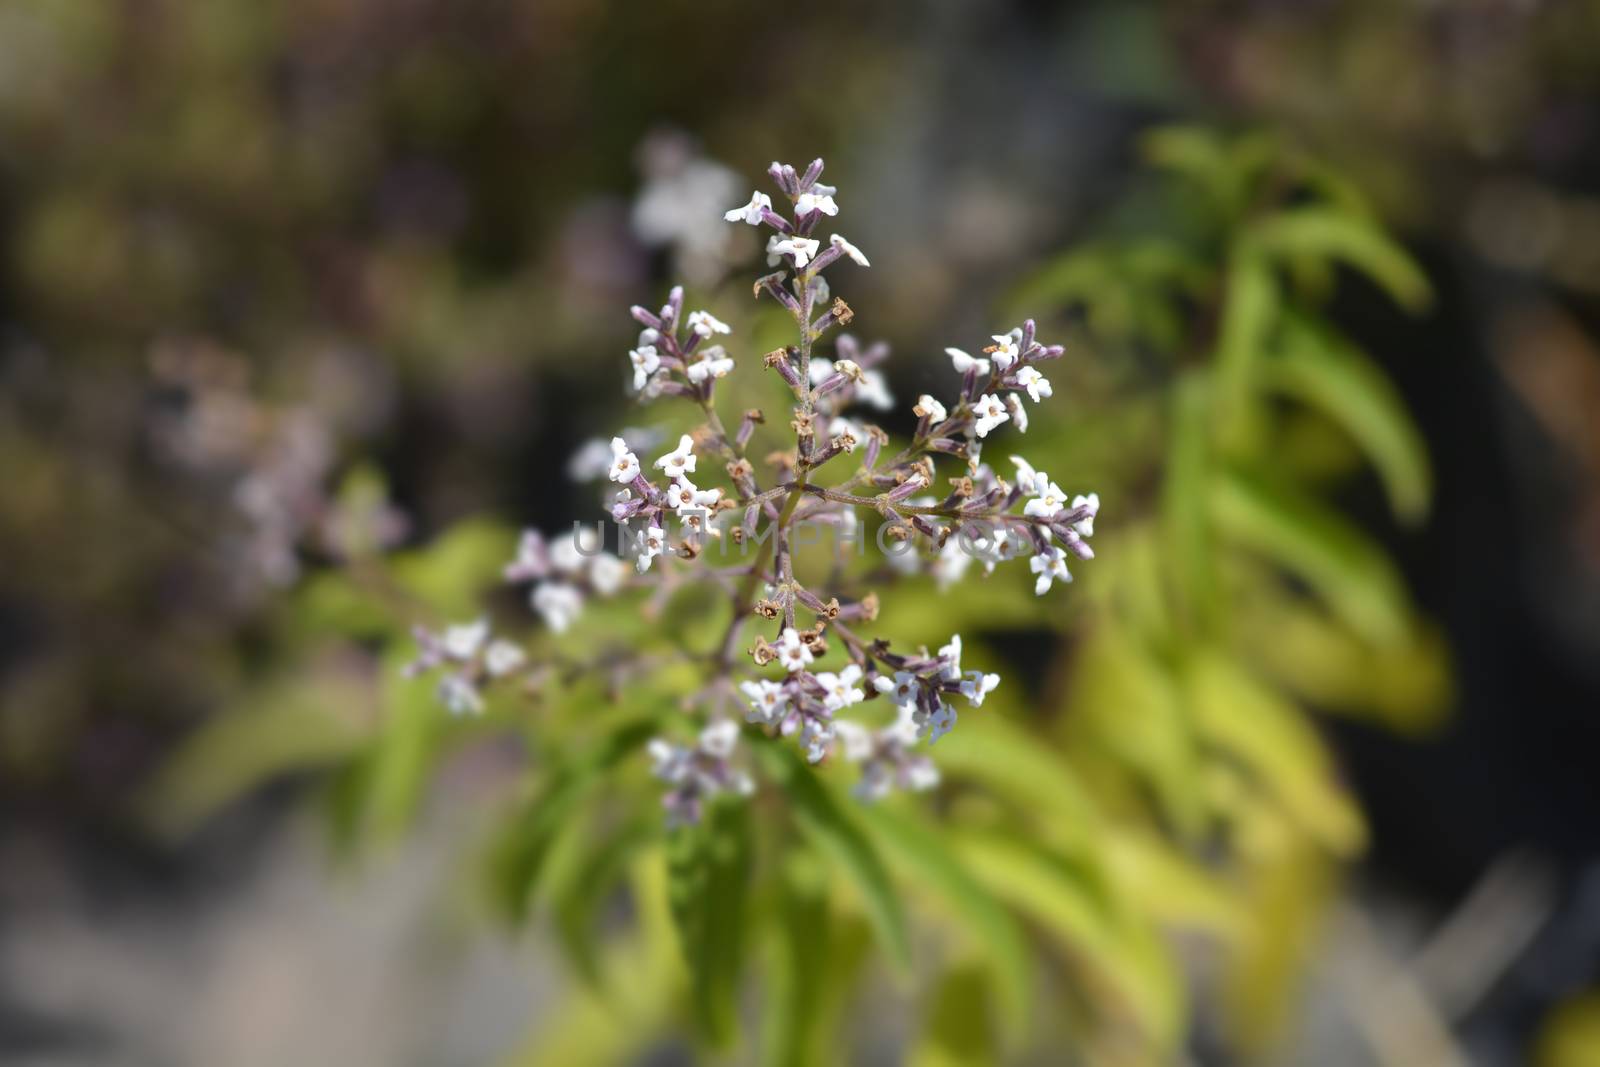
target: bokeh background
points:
(280, 278)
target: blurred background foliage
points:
(304, 306)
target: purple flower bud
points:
(813, 172)
(776, 221)
(645, 317)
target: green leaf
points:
(1250, 302)
(708, 881)
(1323, 371)
(1185, 527)
(1338, 561)
(837, 835)
(1338, 235)
(960, 1031)
(577, 897)
(413, 726)
(931, 865)
(803, 936)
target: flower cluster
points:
(816, 678)
(466, 657)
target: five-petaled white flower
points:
(989, 412)
(929, 408)
(963, 362)
(705, 324)
(1019, 414)
(1027, 477)
(838, 241)
(751, 212)
(1048, 498)
(950, 654)
(841, 688)
(680, 459)
(686, 496)
(502, 657)
(1005, 351)
(1035, 383)
(624, 464)
(459, 695)
(977, 685)
(1085, 527)
(1049, 565)
(462, 642)
(801, 248)
(806, 203)
(941, 722)
(901, 689)
(606, 573)
(646, 361)
(718, 739)
(558, 604)
(792, 652)
(767, 701)
(651, 543)
(712, 362)
(873, 390)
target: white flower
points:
(855, 739)
(905, 728)
(801, 248)
(1049, 565)
(840, 425)
(712, 362)
(848, 249)
(1019, 414)
(751, 212)
(941, 722)
(841, 688)
(921, 775)
(820, 370)
(1035, 383)
(564, 554)
(964, 362)
(977, 685)
(705, 324)
(990, 413)
(459, 695)
(792, 651)
(1085, 527)
(646, 361)
(624, 464)
(462, 642)
(685, 496)
(951, 654)
(668, 762)
(930, 408)
(1027, 477)
(874, 391)
(818, 738)
(606, 573)
(1048, 499)
(503, 657)
(718, 739)
(806, 203)
(767, 701)
(901, 690)
(650, 546)
(774, 257)
(680, 459)
(558, 604)
(1005, 351)
(951, 564)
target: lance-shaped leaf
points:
(708, 884)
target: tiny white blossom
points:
(855, 739)
(901, 688)
(680, 459)
(712, 362)
(1019, 414)
(849, 249)
(977, 685)
(459, 695)
(624, 464)
(806, 203)
(1035, 383)
(1049, 565)
(951, 654)
(705, 324)
(930, 408)
(801, 248)
(751, 212)
(963, 362)
(564, 554)
(1048, 499)
(873, 391)
(686, 496)
(462, 642)
(1085, 527)
(990, 413)
(941, 722)
(717, 740)
(606, 573)
(502, 657)
(650, 546)
(841, 688)
(767, 701)
(558, 604)
(1005, 351)
(951, 563)
(646, 361)
(792, 651)
(1027, 477)
(668, 762)
(922, 775)
(818, 738)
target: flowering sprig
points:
(668, 508)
